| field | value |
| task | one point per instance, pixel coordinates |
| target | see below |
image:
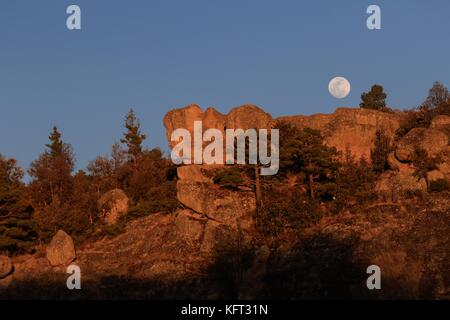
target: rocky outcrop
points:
(6, 266)
(401, 178)
(61, 250)
(225, 206)
(201, 232)
(432, 141)
(210, 211)
(113, 205)
(348, 128)
(243, 117)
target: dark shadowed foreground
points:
(408, 241)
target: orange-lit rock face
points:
(244, 117)
(351, 128)
(354, 129)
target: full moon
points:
(339, 87)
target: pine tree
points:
(52, 172)
(304, 152)
(133, 138)
(56, 146)
(374, 99)
(17, 227)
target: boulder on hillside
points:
(431, 140)
(61, 250)
(113, 205)
(6, 266)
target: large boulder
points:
(113, 205)
(6, 266)
(61, 250)
(431, 140)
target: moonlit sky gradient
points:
(155, 55)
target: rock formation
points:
(61, 250)
(432, 141)
(348, 128)
(352, 129)
(210, 210)
(113, 205)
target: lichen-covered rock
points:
(113, 205)
(61, 250)
(6, 266)
(431, 140)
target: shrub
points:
(230, 178)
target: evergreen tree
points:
(133, 138)
(17, 227)
(374, 99)
(56, 146)
(51, 173)
(304, 152)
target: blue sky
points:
(156, 55)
